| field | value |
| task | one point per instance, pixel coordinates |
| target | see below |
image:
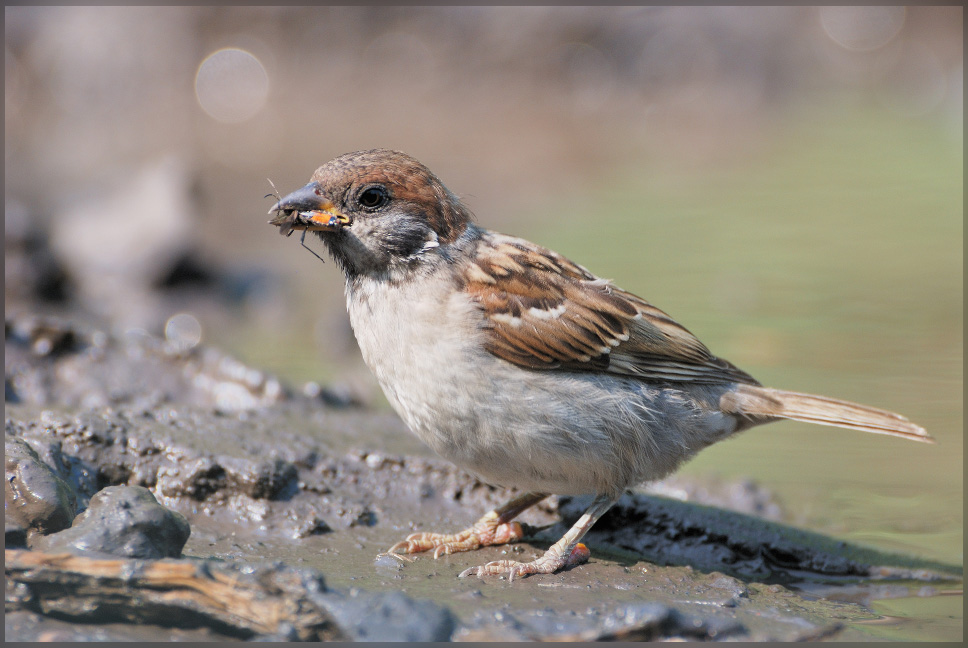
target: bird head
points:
(376, 211)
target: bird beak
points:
(307, 209)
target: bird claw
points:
(392, 553)
(482, 534)
(549, 563)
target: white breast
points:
(555, 432)
(416, 347)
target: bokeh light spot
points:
(862, 29)
(231, 85)
(183, 331)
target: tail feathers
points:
(762, 402)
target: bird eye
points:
(373, 198)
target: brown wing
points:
(544, 312)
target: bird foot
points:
(553, 560)
(483, 533)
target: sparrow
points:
(521, 366)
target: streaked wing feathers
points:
(544, 312)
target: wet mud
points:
(161, 492)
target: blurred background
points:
(786, 182)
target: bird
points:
(521, 366)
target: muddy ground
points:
(158, 492)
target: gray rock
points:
(672, 532)
(647, 621)
(35, 498)
(639, 621)
(388, 616)
(123, 521)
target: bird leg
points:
(493, 528)
(567, 552)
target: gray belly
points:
(564, 433)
